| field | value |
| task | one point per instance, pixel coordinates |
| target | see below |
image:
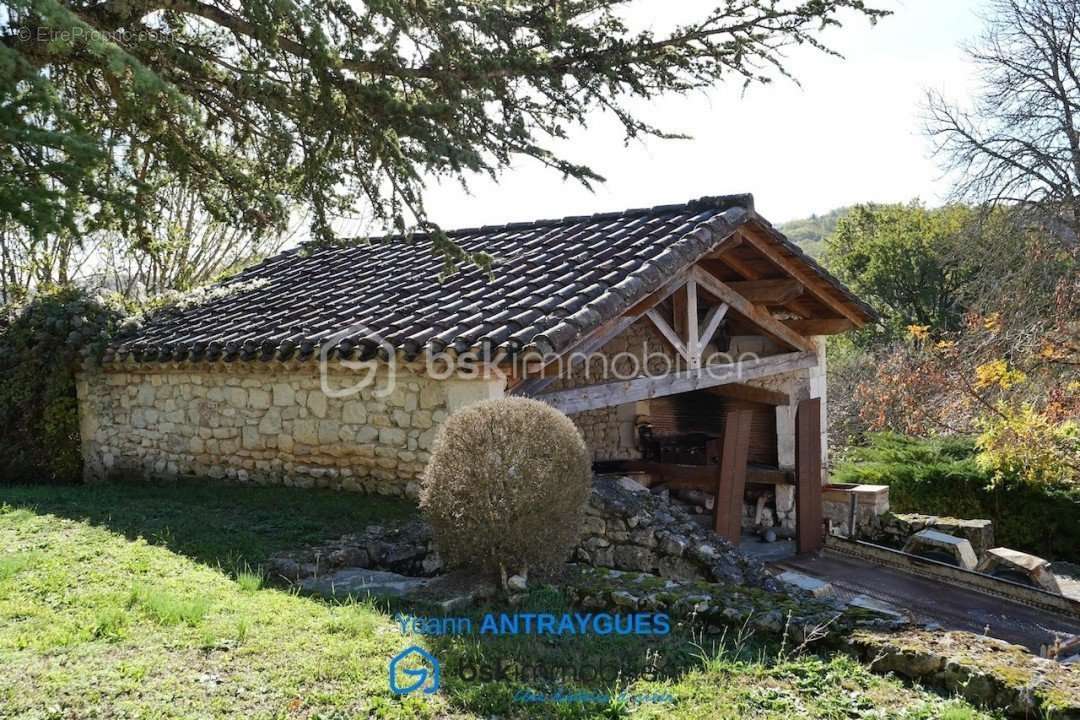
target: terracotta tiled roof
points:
(552, 281)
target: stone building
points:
(680, 336)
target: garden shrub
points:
(944, 476)
(43, 342)
(506, 487)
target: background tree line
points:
(977, 358)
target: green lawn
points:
(130, 602)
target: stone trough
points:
(1008, 564)
(945, 548)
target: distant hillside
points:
(810, 233)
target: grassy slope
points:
(98, 622)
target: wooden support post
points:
(808, 513)
(693, 348)
(731, 482)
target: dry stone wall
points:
(251, 423)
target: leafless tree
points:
(187, 249)
(1019, 143)
(184, 249)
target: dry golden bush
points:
(506, 487)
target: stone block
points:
(630, 557)
(677, 568)
(328, 432)
(271, 424)
(816, 587)
(237, 397)
(785, 498)
(306, 432)
(1020, 567)
(145, 395)
(947, 548)
(354, 412)
(284, 395)
(431, 396)
(258, 399)
(316, 403)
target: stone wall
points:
(611, 433)
(251, 422)
(893, 530)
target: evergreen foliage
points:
(262, 105)
(43, 343)
(943, 476)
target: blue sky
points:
(850, 133)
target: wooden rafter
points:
(757, 315)
(803, 275)
(739, 266)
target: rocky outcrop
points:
(629, 528)
(626, 528)
(405, 549)
(983, 670)
(716, 606)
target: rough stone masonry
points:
(248, 424)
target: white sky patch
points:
(851, 133)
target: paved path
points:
(931, 601)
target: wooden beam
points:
(713, 318)
(597, 338)
(695, 477)
(759, 316)
(750, 393)
(731, 483)
(803, 275)
(591, 397)
(739, 266)
(668, 333)
(678, 311)
(820, 326)
(693, 345)
(808, 510)
(772, 291)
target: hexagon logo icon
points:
(427, 669)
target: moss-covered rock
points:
(983, 670)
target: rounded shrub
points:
(506, 487)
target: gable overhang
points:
(752, 276)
